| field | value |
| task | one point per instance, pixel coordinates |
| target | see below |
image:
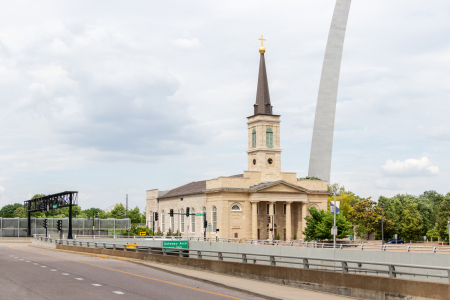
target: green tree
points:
(134, 215)
(8, 210)
(442, 216)
(312, 222)
(366, 213)
(118, 212)
(323, 230)
(411, 222)
(20, 213)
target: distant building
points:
(239, 205)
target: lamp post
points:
(334, 229)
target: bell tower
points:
(264, 153)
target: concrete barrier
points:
(354, 285)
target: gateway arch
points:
(322, 140)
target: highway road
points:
(36, 273)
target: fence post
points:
(87, 244)
(434, 249)
(114, 246)
(104, 246)
(164, 251)
(244, 258)
(180, 253)
(136, 248)
(305, 263)
(407, 250)
(344, 267)
(220, 256)
(95, 245)
(199, 254)
(392, 271)
(272, 261)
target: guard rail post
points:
(199, 254)
(392, 273)
(305, 263)
(220, 256)
(244, 258)
(272, 261)
(344, 267)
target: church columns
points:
(254, 220)
(303, 221)
(288, 221)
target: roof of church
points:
(262, 105)
(196, 187)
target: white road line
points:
(118, 292)
(43, 267)
(53, 270)
(79, 278)
(96, 284)
(21, 259)
(65, 274)
(15, 257)
(35, 263)
(27, 261)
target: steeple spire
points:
(262, 105)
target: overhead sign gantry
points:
(46, 203)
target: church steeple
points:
(262, 105)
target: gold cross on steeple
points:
(262, 40)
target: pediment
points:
(281, 187)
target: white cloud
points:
(186, 43)
(2, 189)
(410, 167)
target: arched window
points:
(269, 137)
(254, 138)
(235, 208)
(163, 222)
(192, 216)
(204, 216)
(182, 220)
(214, 218)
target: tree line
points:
(410, 217)
(118, 212)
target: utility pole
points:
(335, 232)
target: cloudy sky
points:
(117, 97)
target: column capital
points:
(289, 202)
(272, 202)
(254, 201)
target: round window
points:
(270, 161)
(254, 161)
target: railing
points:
(325, 264)
(361, 247)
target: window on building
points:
(236, 208)
(284, 208)
(274, 208)
(182, 220)
(163, 222)
(192, 216)
(236, 235)
(269, 137)
(254, 138)
(214, 218)
(268, 210)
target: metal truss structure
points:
(46, 203)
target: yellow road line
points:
(168, 282)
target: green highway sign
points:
(55, 205)
(176, 244)
(199, 214)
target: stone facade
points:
(239, 206)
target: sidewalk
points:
(264, 289)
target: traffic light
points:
(96, 214)
(45, 223)
(171, 213)
(187, 211)
(156, 216)
(59, 224)
(268, 219)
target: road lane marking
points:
(65, 274)
(35, 263)
(21, 259)
(118, 292)
(132, 274)
(79, 278)
(43, 267)
(27, 261)
(96, 284)
(53, 270)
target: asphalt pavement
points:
(34, 273)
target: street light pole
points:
(382, 230)
(335, 232)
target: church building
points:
(239, 206)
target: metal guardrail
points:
(324, 264)
(393, 247)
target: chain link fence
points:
(17, 227)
